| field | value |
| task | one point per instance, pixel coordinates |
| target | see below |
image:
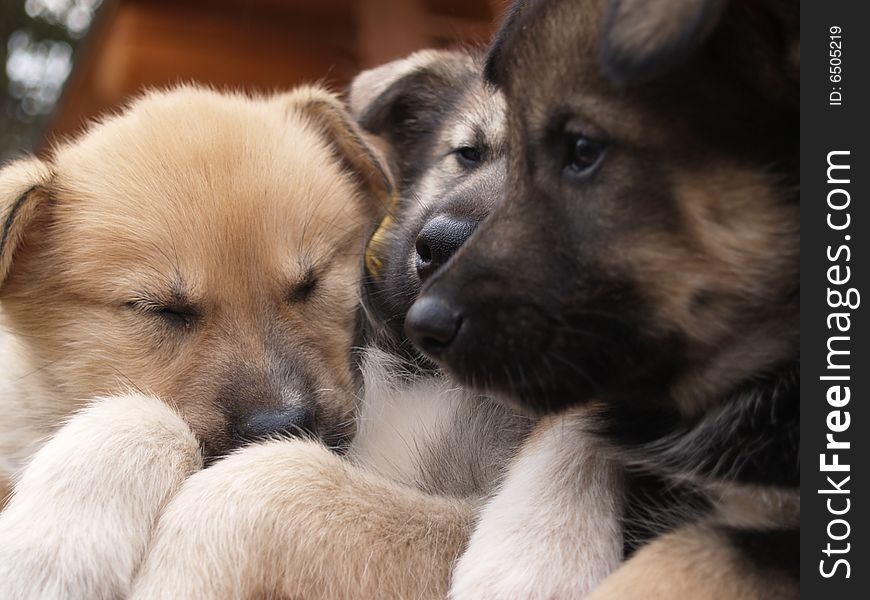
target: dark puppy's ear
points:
(496, 58)
(23, 194)
(642, 39)
(325, 111)
(405, 101)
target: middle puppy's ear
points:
(325, 111)
(642, 39)
(404, 102)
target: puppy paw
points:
(82, 512)
(553, 529)
(290, 519)
(510, 559)
(229, 531)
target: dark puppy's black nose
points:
(287, 420)
(439, 239)
(432, 324)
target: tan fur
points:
(740, 246)
(22, 191)
(5, 492)
(223, 203)
(293, 520)
(692, 563)
(390, 519)
(760, 507)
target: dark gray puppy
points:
(644, 265)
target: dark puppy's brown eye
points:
(582, 154)
(468, 156)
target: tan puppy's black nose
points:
(432, 324)
(287, 420)
(439, 239)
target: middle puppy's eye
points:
(581, 155)
(468, 156)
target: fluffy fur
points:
(291, 518)
(84, 509)
(554, 528)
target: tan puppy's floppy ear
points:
(23, 193)
(327, 113)
(642, 39)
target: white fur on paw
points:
(83, 510)
(553, 530)
(522, 565)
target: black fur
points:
(655, 505)
(769, 549)
(495, 56)
(411, 112)
(625, 67)
(751, 437)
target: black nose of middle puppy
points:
(439, 239)
(288, 420)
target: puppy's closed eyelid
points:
(156, 301)
(302, 289)
(182, 315)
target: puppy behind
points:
(442, 131)
(200, 248)
(653, 190)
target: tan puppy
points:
(200, 248)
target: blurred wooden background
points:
(255, 44)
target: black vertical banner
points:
(835, 265)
